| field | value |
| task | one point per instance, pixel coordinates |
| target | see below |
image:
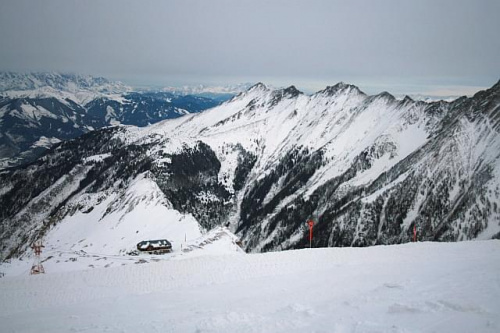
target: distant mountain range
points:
(213, 89)
(80, 89)
(218, 93)
(38, 109)
(366, 169)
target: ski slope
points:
(417, 287)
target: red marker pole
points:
(414, 233)
(311, 224)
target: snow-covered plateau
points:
(414, 287)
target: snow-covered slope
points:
(367, 169)
(117, 222)
(420, 287)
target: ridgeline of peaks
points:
(10, 81)
(367, 169)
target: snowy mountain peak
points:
(258, 90)
(286, 93)
(386, 95)
(408, 99)
(338, 88)
(258, 87)
(292, 91)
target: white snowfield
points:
(417, 287)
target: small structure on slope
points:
(159, 246)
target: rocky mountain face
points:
(367, 169)
(39, 109)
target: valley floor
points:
(419, 287)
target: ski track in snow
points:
(418, 287)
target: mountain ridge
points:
(367, 169)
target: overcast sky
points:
(422, 46)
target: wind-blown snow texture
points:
(420, 287)
(367, 169)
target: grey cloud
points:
(413, 42)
